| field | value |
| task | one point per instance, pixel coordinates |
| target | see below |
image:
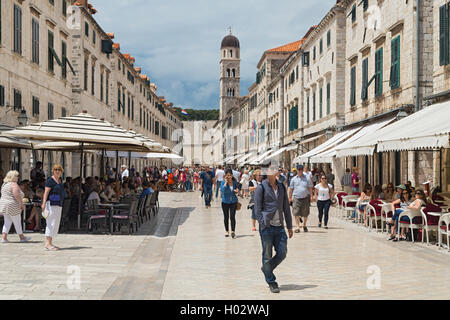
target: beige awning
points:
(10, 142)
(82, 128)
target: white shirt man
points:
(125, 172)
(220, 174)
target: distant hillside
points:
(196, 115)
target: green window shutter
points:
(64, 59)
(365, 79)
(314, 107)
(320, 103)
(353, 86)
(379, 72)
(307, 109)
(321, 45)
(395, 63)
(328, 98)
(118, 100)
(328, 38)
(444, 35)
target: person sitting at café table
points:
(147, 189)
(415, 205)
(403, 202)
(26, 189)
(36, 210)
(377, 193)
(365, 196)
(94, 195)
(109, 194)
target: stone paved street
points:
(183, 254)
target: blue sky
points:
(177, 42)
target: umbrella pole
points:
(81, 176)
(129, 160)
(102, 166)
(117, 164)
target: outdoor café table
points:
(111, 208)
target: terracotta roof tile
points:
(290, 47)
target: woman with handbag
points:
(324, 195)
(229, 190)
(52, 206)
(11, 206)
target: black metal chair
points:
(96, 216)
(126, 217)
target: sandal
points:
(297, 230)
(51, 249)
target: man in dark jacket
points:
(272, 210)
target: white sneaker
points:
(26, 239)
(5, 241)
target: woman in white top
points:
(416, 205)
(245, 181)
(11, 206)
(324, 193)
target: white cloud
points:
(177, 42)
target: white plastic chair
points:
(372, 216)
(426, 226)
(385, 209)
(411, 214)
(444, 222)
(345, 200)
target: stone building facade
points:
(358, 66)
(56, 65)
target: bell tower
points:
(230, 74)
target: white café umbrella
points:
(82, 129)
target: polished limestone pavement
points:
(344, 262)
(182, 253)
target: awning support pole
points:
(81, 183)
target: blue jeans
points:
(395, 218)
(218, 188)
(207, 193)
(253, 213)
(324, 208)
(272, 237)
(188, 185)
(361, 208)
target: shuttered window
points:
(320, 103)
(17, 29)
(444, 35)
(379, 72)
(353, 86)
(328, 38)
(35, 107)
(50, 111)
(17, 100)
(314, 107)
(64, 59)
(52, 56)
(395, 63)
(64, 8)
(2, 96)
(307, 109)
(35, 41)
(63, 112)
(328, 98)
(118, 99)
(101, 86)
(107, 89)
(123, 103)
(365, 79)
